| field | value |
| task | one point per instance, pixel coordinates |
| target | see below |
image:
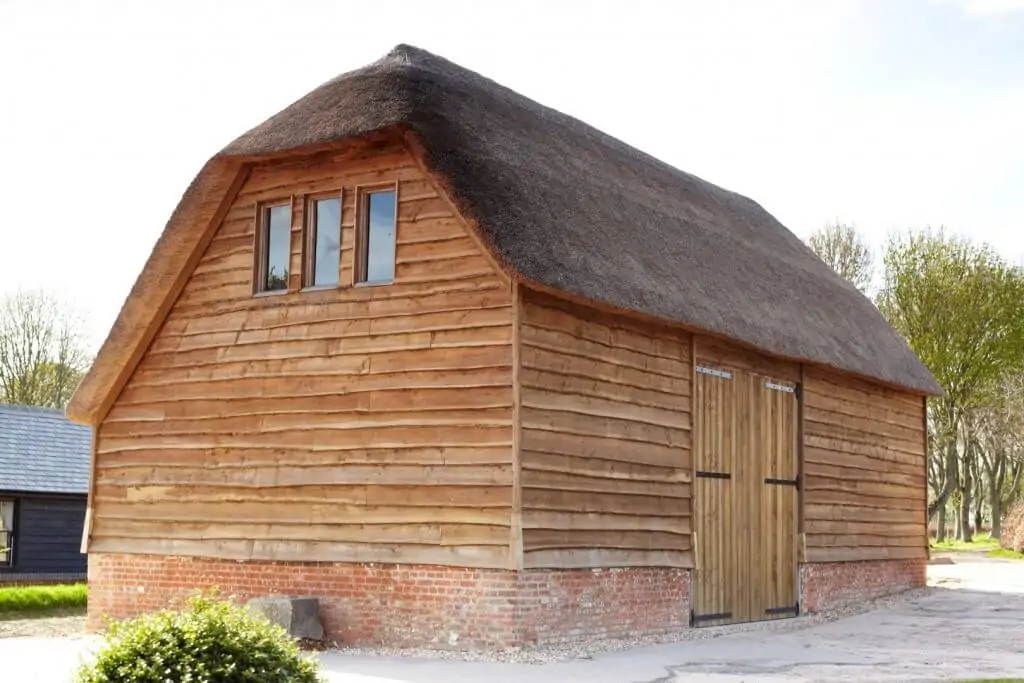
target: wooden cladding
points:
(745, 498)
(864, 451)
(451, 418)
(605, 442)
(369, 424)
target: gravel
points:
(43, 627)
(74, 625)
(564, 652)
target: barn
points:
(44, 474)
(476, 374)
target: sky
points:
(888, 114)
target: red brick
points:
(451, 607)
(409, 605)
(837, 584)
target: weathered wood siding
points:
(48, 532)
(605, 439)
(864, 449)
(368, 423)
(745, 498)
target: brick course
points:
(836, 584)
(461, 608)
(412, 605)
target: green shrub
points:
(210, 642)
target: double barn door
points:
(745, 497)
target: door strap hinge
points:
(723, 374)
(714, 475)
(791, 609)
(780, 387)
(783, 482)
(697, 618)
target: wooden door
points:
(744, 497)
(777, 414)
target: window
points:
(6, 532)
(376, 241)
(273, 248)
(323, 242)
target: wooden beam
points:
(516, 545)
(696, 436)
(89, 511)
(800, 470)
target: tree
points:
(846, 252)
(1002, 451)
(961, 309)
(42, 356)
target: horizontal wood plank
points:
(309, 551)
(605, 557)
(363, 424)
(864, 476)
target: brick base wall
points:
(412, 605)
(558, 606)
(836, 584)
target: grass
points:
(1006, 554)
(21, 601)
(978, 543)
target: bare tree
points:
(846, 252)
(1002, 459)
(42, 354)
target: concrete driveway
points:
(971, 625)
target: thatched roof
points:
(568, 207)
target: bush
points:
(1012, 536)
(210, 642)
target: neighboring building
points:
(44, 479)
(477, 374)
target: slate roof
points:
(42, 451)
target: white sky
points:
(890, 114)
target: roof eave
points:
(161, 280)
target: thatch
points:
(565, 206)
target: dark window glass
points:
(327, 242)
(276, 248)
(380, 237)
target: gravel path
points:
(45, 627)
(585, 651)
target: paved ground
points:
(970, 625)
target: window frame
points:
(309, 233)
(9, 563)
(362, 233)
(262, 245)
